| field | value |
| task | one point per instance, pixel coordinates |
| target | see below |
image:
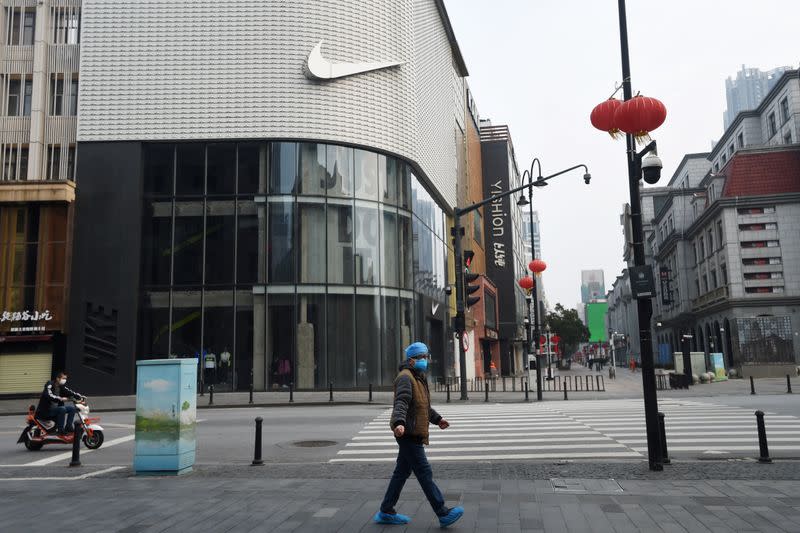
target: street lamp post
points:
(644, 305)
(457, 232)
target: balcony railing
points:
(710, 298)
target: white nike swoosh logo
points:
(320, 68)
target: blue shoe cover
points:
(451, 517)
(394, 519)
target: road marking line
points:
(392, 442)
(712, 441)
(753, 448)
(68, 478)
(393, 458)
(433, 449)
(68, 455)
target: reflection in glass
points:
(156, 243)
(188, 247)
(404, 186)
(220, 242)
(366, 174)
(154, 326)
(340, 243)
(368, 339)
(389, 247)
(312, 368)
(218, 337)
(339, 180)
(312, 169)
(388, 177)
(252, 168)
(158, 165)
(406, 254)
(244, 340)
(367, 260)
(284, 168)
(186, 323)
(190, 175)
(249, 263)
(390, 339)
(221, 176)
(341, 363)
(281, 242)
(280, 340)
(311, 239)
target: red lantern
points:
(639, 116)
(526, 283)
(537, 266)
(602, 117)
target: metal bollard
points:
(520, 383)
(603, 381)
(565, 388)
(330, 390)
(211, 395)
(788, 384)
(504, 383)
(598, 382)
(251, 393)
(486, 391)
(752, 386)
(663, 433)
(257, 452)
(202, 386)
(370, 392)
(291, 392)
(513, 385)
(76, 446)
(448, 393)
(526, 392)
(762, 438)
(588, 378)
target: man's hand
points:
(444, 424)
(399, 431)
(63, 399)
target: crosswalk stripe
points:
(444, 436)
(753, 438)
(517, 456)
(391, 442)
(442, 449)
(710, 446)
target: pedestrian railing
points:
(584, 383)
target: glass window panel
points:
(405, 252)
(284, 168)
(391, 347)
(312, 168)
(390, 261)
(389, 178)
(154, 327)
(340, 243)
(252, 168)
(312, 368)
(245, 330)
(368, 341)
(156, 243)
(218, 339)
(186, 322)
(280, 340)
(220, 242)
(367, 257)
(281, 242)
(188, 246)
(311, 237)
(404, 185)
(340, 171)
(406, 323)
(250, 259)
(190, 175)
(366, 174)
(340, 319)
(221, 178)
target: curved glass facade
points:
(306, 263)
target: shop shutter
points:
(24, 373)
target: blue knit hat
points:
(415, 349)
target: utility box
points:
(166, 416)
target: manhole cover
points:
(314, 443)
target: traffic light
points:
(469, 277)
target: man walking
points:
(410, 418)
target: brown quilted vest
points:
(420, 403)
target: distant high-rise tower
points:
(592, 285)
(748, 89)
(526, 236)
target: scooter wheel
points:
(33, 446)
(95, 441)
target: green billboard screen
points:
(596, 321)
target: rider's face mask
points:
(62, 381)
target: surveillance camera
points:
(651, 168)
(587, 178)
(448, 290)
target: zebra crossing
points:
(579, 430)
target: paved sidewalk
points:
(221, 503)
(626, 385)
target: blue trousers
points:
(62, 412)
(411, 458)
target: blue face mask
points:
(421, 364)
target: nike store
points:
(266, 201)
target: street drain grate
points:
(314, 443)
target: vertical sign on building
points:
(664, 275)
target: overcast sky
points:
(540, 66)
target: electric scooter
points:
(40, 431)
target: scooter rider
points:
(51, 403)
